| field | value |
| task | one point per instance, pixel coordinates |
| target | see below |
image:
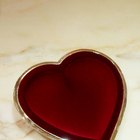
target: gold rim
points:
(43, 131)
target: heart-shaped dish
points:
(80, 97)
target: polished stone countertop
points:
(34, 31)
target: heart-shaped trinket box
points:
(80, 97)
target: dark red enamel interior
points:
(79, 99)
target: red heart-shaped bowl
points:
(81, 97)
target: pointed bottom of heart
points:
(79, 99)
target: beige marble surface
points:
(33, 31)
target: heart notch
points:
(80, 97)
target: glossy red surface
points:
(79, 99)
